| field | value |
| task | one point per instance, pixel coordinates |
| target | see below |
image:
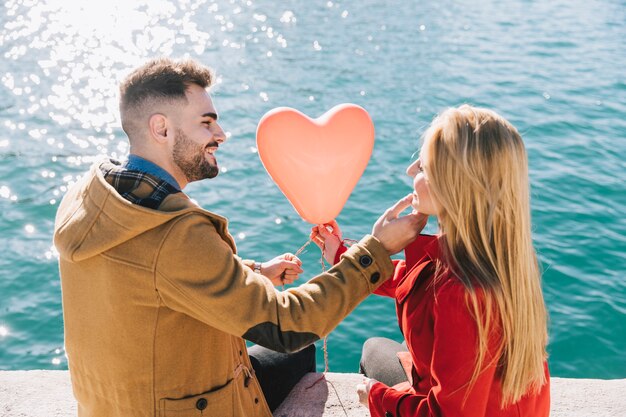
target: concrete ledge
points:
(49, 394)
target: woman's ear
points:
(158, 127)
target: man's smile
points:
(211, 148)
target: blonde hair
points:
(477, 170)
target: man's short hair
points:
(159, 80)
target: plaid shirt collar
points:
(137, 163)
(141, 188)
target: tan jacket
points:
(156, 306)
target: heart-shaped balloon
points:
(316, 162)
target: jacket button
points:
(375, 277)
(365, 261)
(201, 404)
(240, 353)
(388, 414)
(256, 400)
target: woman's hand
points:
(394, 232)
(364, 390)
(328, 241)
(283, 269)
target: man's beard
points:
(190, 158)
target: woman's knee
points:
(379, 360)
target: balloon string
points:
(299, 251)
(349, 241)
(326, 368)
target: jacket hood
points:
(93, 218)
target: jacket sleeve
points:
(246, 262)
(198, 274)
(388, 288)
(452, 365)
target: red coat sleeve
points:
(342, 249)
(452, 365)
(388, 288)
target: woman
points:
(468, 300)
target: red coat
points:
(441, 337)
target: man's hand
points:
(283, 269)
(394, 232)
(364, 390)
(328, 241)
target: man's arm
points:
(198, 274)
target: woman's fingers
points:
(325, 233)
(395, 210)
(395, 232)
(315, 237)
(336, 230)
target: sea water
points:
(554, 69)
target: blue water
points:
(554, 69)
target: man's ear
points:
(158, 127)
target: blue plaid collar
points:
(137, 163)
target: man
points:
(156, 303)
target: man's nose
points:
(219, 135)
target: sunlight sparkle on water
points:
(5, 192)
(85, 49)
(3, 331)
(52, 253)
(288, 17)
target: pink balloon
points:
(316, 162)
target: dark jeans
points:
(278, 373)
(379, 360)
